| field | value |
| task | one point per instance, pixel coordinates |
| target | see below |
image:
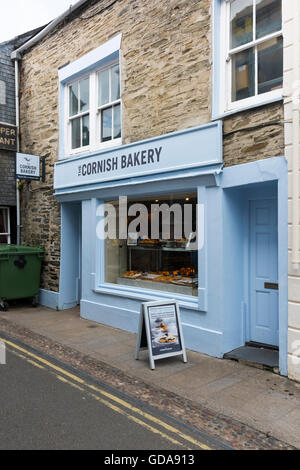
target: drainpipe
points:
(296, 138)
(16, 60)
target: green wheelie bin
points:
(20, 270)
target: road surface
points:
(45, 405)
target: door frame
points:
(259, 172)
(250, 311)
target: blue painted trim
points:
(202, 255)
(196, 337)
(170, 177)
(147, 295)
(49, 299)
(90, 60)
(271, 169)
(69, 260)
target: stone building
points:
(8, 138)
(168, 102)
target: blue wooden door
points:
(264, 272)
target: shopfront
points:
(162, 219)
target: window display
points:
(160, 251)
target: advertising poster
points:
(165, 336)
(160, 331)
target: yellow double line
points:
(115, 402)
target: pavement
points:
(224, 396)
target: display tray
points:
(159, 285)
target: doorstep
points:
(260, 356)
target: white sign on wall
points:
(27, 166)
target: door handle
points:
(271, 286)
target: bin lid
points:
(20, 249)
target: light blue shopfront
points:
(230, 309)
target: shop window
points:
(159, 249)
(251, 52)
(5, 236)
(94, 110)
(2, 92)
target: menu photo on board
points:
(160, 331)
(165, 336)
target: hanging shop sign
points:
(183, 150)
(27, 166)
(160, 331)
(8, 137)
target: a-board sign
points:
(27, 166)
(160, 331)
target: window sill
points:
(217, 116)
(83, 152)
(147, 295)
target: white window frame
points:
(8, 233)
(94, 114)
(2, 92)
(89, 64)
(226, 103)
(111, 104)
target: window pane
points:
(3, 221)
(75, 133)
(241, 18)
(117, 121)
(160, 252)
(73, 99)
(85, 130)
(2, 92)
(103, 87)
(268, 17)
(84, 95)
(115, 83)
(106, 120)
(270, 65)
(243, 75)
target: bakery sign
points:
(8, 137)
(27, 166)
(160, 331)
(183, 150)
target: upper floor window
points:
(109, 103)
(252, 52)
(79, 116)
(94, 117)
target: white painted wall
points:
(291, 32)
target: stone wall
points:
(166, 69)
